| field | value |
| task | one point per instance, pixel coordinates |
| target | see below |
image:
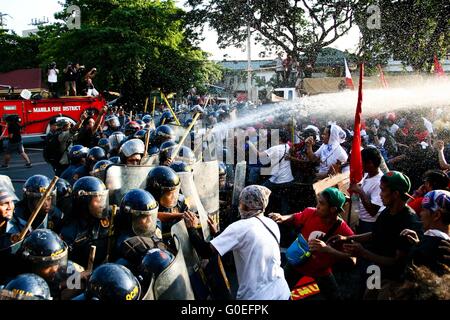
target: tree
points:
(410, 31)
(17, 52)
(301, 28)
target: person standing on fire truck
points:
(14, 141)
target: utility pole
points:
(249, 54)
(3, 21)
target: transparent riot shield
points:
(239, 181)
(6, 184)
(173, 283)
(149, 294)
(206, 179)
(121, 178)
(150, 160)
(193, 201)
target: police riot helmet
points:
(154, 262)
(147, 119)
(99, 169)
(165, 151)
(113, 122)
(115, 140)
(63, 195)
(45, 253)
(181, 166)
(115, 160)
(141, 134)
(139, 210)
(104, 144)
(113, 282)
(131, 147)
(161, 179)
(95, 154)
(163, 133)
(140, 123)
(85, 190)
(33, 190)
(167, 117)
(153, 150)
(131, 128)
(77, 153)
(27, 286)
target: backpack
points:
(52, 151)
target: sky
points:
(22, 11)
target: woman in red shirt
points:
(314, 225)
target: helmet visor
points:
(144, 223)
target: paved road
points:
(17, 170)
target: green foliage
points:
(411, 31)
(137, 46)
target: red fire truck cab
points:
(36, 114)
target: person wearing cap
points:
(432, 180)
(384, 246)
(435, 216)
(316, 225)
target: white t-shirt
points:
(281, 171)
(393, 129)
(257, 258)
(329, 158)
(52, 76)
(371, 187)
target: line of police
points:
(47, 264)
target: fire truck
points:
(37, 112)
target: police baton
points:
(33, 216)
(178, 147)
(147, 140)
(111, 232)
(91, 259)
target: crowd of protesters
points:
(77, 80)
(280, 231)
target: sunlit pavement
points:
(17, 170)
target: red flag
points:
(438, 68)
(348, 76)
(356, 169)
(384, 83)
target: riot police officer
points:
(48, 217)
(164, 184)
(181, 166)
(131, 152)
(64, 197)
(104, 144)
(115, 141)
(27, 286)
(95, 154)
(131, 128)
(113, 124)
(77, 158)
(112, 282)
(148, 120)
(90, 225)
(137, 217)
(162, 134)
(44, 253)
(99, 169)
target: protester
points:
(14, 141)
(317, 226)
(52, 79)
(254, 241)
